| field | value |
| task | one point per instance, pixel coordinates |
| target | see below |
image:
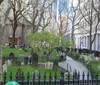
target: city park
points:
(48, 59)
(44, 50)
(42, 59)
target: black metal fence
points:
(70, 79)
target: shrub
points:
(74, 55)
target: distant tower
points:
(57, 10)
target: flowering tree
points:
(45, 41)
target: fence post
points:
(22, 78)
(88, 81)
(73, 78)
(83, 75)
(16, 76)
(45, 78)
(4, 78)
(33, 80)
(97, 82)
(50, 78)
(75, 74)
(55, 78)
(62, 78)
(28, 78)
(78, 77)
(62, 73)
(62, 81)
(39, 77)
(68, 77)
(10, 76)
(92, 78)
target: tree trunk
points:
(14, 27)
(3, 17)
(49, 54)
(34, 58)
(90, 48)
(13, 40)
(14, 31)
(22, 34)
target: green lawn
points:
(31, 69)
(95, 67)
(17, 52)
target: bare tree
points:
(46, 19)
(16, 8)
(91, 17)
(96, 7)
(3, 17)
(74, 19)
(35, 14)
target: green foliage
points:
(56, 55)
(74, 55)
(45, 41)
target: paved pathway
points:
(72, 65)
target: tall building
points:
(82, 30)
(59, 15)
(83, 33)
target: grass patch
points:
(17, 52)
(94, 66)
(31, 69)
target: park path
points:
(72, 65)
